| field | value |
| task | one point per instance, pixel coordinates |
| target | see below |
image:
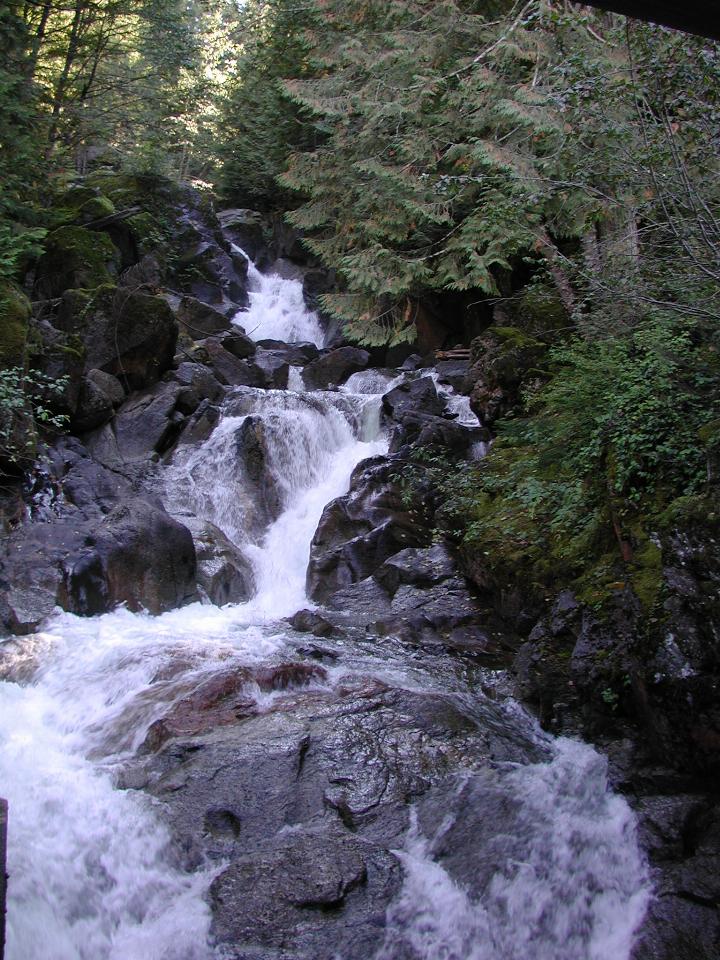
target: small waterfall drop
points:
(277, 309)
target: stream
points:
(383, 802)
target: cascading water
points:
(277, 309)
(93, 873)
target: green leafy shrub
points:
(26, 409)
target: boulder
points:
(359, 531)
(229, 369)
(333, 368)
(224, 574)
(418, 397)
(211, 275)
(146, 424)
(100, 393)
(201, 320)
(274, 366)
(295, 354)
(308, 621)
(244, 228)
(238, 343)
(75, 258)
(129, 334)
(138, 556)
(421, 567)
(503, 360)
(197, 383)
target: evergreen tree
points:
(261, 125)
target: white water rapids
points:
(93, 875)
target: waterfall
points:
(94, 874)
(277, 309)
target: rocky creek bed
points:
(273, 718)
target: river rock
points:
(308, 621)
(197, 383)
(421, 567)
(201, 320)
(100, 393)
(333, 368)
(130, 334)
(144, 425)
(295, 354)
(418, 396)
(139, 556)
(224, 574)
(359, 531)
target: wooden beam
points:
(692, 16)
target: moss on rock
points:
(15, 313)
(76, 258)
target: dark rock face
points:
(144, 425)
(307, 800)
(307, 621)
(245, 228)
(359, 531)
(129, 334)
(418, 396)
(224, 574)
(200, 319)
(333, 368)
(75, 258)
(197, 384)
(501, 359)
(296, 354)
(100, 393)
(140, 557)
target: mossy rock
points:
(709, 435)
(95, 209)
(76, 258)
(541, 312)
(512, 338)
(15, 313)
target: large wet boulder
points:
(138, 556)
(334, 367)
(224, 574)
(418, 396)
(145, 424)
(197, 383)
(359, 531)
(72, 495)
(296, 354)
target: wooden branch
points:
(108, 221)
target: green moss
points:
(513, 338)
(541, 312)
(688, 511)
(95, 209)
(709, 434)
(646, 574)
(76, 258)
(15, 311)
